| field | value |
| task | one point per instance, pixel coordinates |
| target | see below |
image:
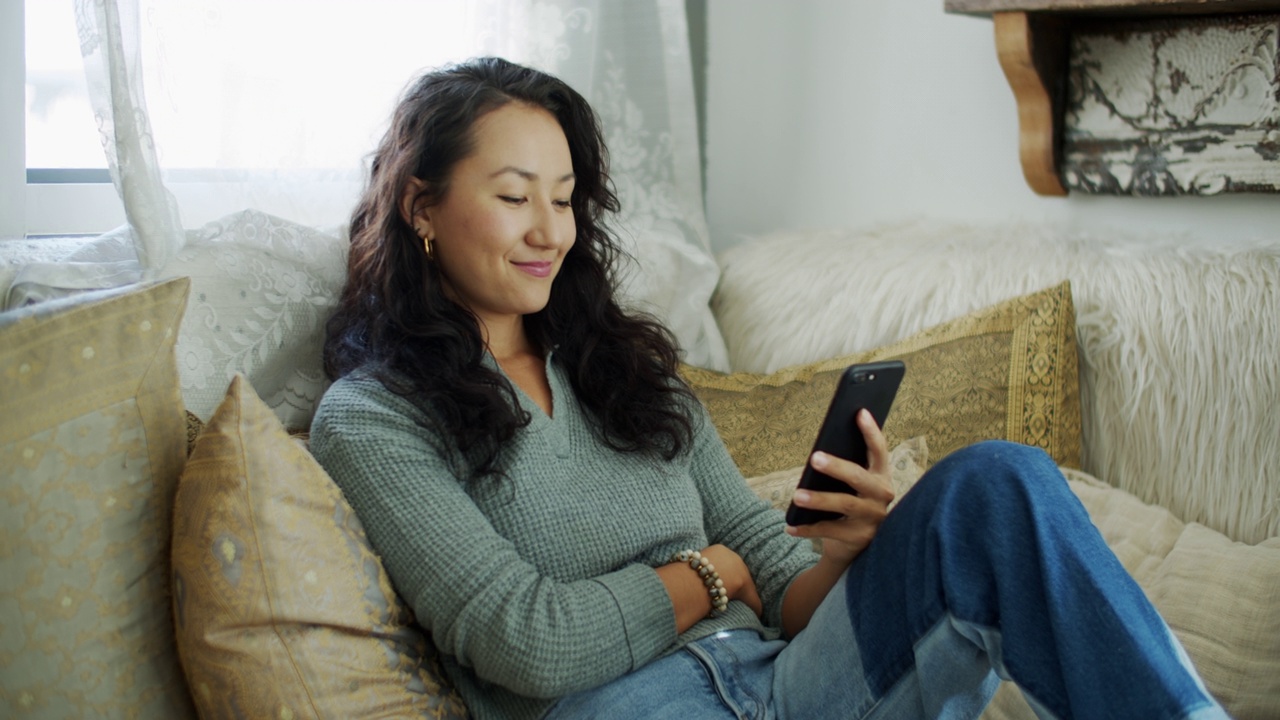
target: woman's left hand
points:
(843, 539)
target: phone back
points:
(872, 386)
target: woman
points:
(536, 477)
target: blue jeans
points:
(989, 568)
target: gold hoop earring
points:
(424, 232)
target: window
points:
(238, 92)
(60, 132)
(48, 132)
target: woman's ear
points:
(413, 207)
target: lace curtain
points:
(269, 105)
(631, 60)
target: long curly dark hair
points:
(394, 318)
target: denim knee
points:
(998, 465)
(994, 482)
(1001, 455)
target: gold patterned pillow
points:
(282, 609)
(91, 445)
(1008, 371)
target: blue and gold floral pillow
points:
(91, 446)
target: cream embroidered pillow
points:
(282, 608)
(261, 290)
(92, 440)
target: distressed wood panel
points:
(1174, 106)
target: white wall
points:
(853, 113)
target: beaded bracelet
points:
(710, 579)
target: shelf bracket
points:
(1032, 48)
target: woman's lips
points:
(537, 269)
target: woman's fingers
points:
(845, 537)
(855, 534)
(863, 511)
(859, 519)
(877, 446)
(850, 506)
(868, 483)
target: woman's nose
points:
(552, 227)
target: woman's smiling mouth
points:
(540, 268)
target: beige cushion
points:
(1221, 598)
(281, 606)
(91, 445)
(1008, 371)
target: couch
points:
(171, 549)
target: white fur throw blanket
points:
(1179, 340)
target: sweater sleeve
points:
(737, 518)
(481, 601)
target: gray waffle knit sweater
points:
(544, 584)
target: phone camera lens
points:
(859, 377)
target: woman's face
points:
(505, 223)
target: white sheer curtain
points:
(204, 113)
(631, 60)
(110, 44)
(236, 133)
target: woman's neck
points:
(523, 364)
(507, 340)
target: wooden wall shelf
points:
(1032, 42)
(1112, 7)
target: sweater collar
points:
(560, 390)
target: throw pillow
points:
(1177, 337)
(1222, 598)
(261, 290)
(91, 445)
(281, 606)
(1004, 372)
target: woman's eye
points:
(511, 200)
(563, 204)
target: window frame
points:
(13, 120)
(79, 202)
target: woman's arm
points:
(843, 539)
(736, 517)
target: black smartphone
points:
(869, 385)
